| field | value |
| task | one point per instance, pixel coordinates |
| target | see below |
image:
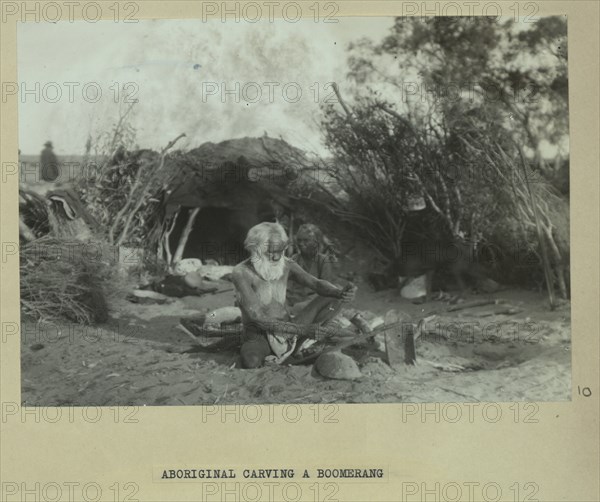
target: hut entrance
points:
(217, 234)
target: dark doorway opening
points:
(217, 234)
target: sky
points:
(181, 72)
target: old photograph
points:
(367, 210)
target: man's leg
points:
(319, 311)
(254, 350)
(298, 307)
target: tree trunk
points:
(166, 238)
(160, 250)
(184, 236)
(168, 252)
(542, 243)
(562, 283)
(558, 263)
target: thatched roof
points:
(224, 174)
(258, 152)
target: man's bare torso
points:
(270, 295)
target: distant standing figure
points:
(49, 163)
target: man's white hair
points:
(261, 234)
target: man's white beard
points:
(268, 270)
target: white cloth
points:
(282, 347)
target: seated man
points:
(309, 241)
(261, 283)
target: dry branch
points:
(184, 236)
(137, 200)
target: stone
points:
(488, 286)
(337, 366)
(223, 315)
(415, 288)
(187, 265)
(215, 272)
(149, 295)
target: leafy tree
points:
(456, 111)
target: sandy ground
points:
(140, 358)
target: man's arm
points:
(326, 268)
(319, 286)
(250, 305)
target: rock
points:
(488, 286)
(375, 322)
(187, 265)
(393, 316)
(207, 272)
(215, 272)
(337, 366)
(415, 288)
(147, 296)
(223, 315)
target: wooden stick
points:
(25, 231)
(167, 236)
(546, 261)
(184, 236)
(500, 311)
(142, 196)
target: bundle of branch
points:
(56, 284)
(374, 175)
(146, 177)
(535, 207)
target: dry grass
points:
(59, 281)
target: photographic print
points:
(355, 210)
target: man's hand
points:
(348, 293)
